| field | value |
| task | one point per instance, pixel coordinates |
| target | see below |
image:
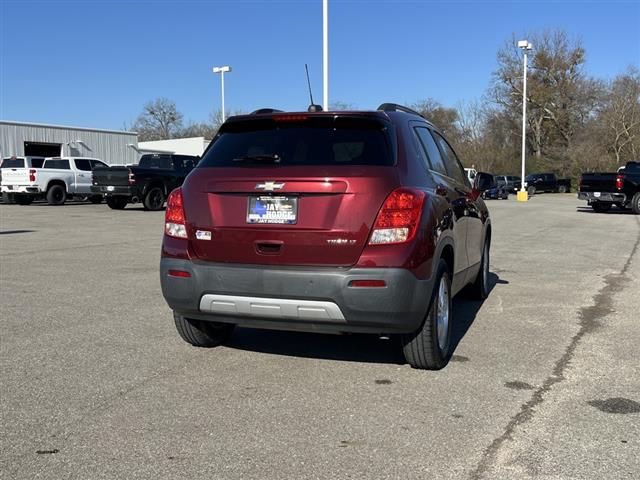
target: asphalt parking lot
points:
(96, 383)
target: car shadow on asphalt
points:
(352, 347)
(613, 211)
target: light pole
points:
(525, 46)
(221, 71)
(325, 55)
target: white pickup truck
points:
(59, 178)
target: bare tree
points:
(442, 117)
(159, 120)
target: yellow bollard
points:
(522, 196)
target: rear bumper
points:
(26, 189)
(127, 190)
(297, 298)
(611, 197)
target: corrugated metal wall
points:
(110, 146)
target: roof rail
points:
(394, 107)
(265, 110)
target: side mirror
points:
(483, 181)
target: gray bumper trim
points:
(270, 307)
(602, 197)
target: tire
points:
(201, 333)
(23, 199)
(117, 203)
(154, 199)
(429, 347)
(562, 189)
(95, 199)
(601, 207)
(635, 203)
(531, 191)
(8, 198)
(479, 289)
(56, 195)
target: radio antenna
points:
(309, 83)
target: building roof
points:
(65, 127)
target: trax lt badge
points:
(203, 235)
(269, 186)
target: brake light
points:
(619, 181)
(398, 219)
(290, 118)
(32, 175)
(132, 178)
(174, 218)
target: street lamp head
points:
(224, 69)
(525, 45)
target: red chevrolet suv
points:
(326, 222)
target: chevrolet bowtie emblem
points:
(269, 186)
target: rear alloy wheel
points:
(154, 199)
(96, 199)
(200, 333)
(56, 195)
(23, 199)
(117, 203)
(635, 203)
(531, 191)
(430, 346)
(562, 189)
(479, 289)
(601, 207)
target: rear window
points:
(310, 141)
(632, 167)
(59, 164)
(12, 163)
(37, 162)
(156, 161)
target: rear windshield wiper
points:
(275, 159)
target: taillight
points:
(619, 181)
(398, 219)
(32, 175)
(132, 178)
(174, 219)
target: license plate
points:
(596, 194)
(110, 189)
(268, 209)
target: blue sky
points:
(95, 63)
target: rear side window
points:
(156, 161)
(59, 164)
(324, 140)
(12, 163)
(37, 162)
(98, 164)
(431, 150)
(452, 163)
(84, 165)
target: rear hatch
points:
(598, 182)
(290, 189)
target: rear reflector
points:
(398, 219)
(179, 273)
(174, 219)
(368, 283)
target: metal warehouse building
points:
(24, 139)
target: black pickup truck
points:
(149, 182)
(547, 182)
(601, 190)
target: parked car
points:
(15, 162)
(511, 182)
(602, 190)
(498, 189)
(59, 179)
(149, 182)
(327, 222)
(547, 182)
